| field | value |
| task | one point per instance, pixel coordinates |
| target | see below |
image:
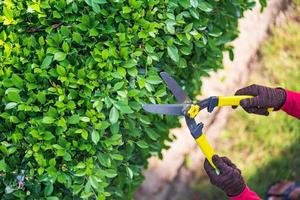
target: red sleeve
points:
(292, 104)
(247, 194)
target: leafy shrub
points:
(73, 77)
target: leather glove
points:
(264, 98)
(229, 180)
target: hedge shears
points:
(190, 110)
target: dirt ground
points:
(170, 178)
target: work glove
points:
(229, 180)
(264, 98)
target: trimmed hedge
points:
(73, 77)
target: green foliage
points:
(73, 77)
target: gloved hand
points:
(264, 98)
(229, 180)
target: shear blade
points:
(165, 109)
(177, 91)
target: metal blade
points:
(177, 91)
(166, 109)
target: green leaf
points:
(121, 71)
(185, 3)
(60, 70)
(41, 97)
(10, 105)
(104, 159)
(93, 32)
(154, 80)
(56, 146)
(231, 54)
(124, 52)
(194, 13)
(123, 107)
(118, 85)
(41, 41)
(74, 119)
(133, 71)
(48, 190)
(85, 134)
(215, 32)
(105, 54)
(173, 53)
(113, 115)
(204, 6)
(52, 198)
(170, 25)
(65, 47)
(129, 172)
(87, 193)
(133, 93)
(77, 38)
(186, 50)
(93, 181)
(80, 173)
(263, 4)
(60, 56)
(117, 157)
(194, 3)
(100, 1)
(62, 122)
(129, 64)
(95, 4)
(149, 48)
(152, 134)
(95, 137)
(182, 63)
(80, 165)
(171, 16)
(13, 95)
(149, 60)
(126, 9)
(14, 119)
(48, 120)
(110, 173)
(18, 81)
(3, 166)
(48, 136)
(142, 144)
(188, 28)
(85, 119)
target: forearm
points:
(247, 194)
(292, 104)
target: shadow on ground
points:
(283, 167)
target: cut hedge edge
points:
(73, 77)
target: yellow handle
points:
(206, 148)
(232, 100)
(270, 110)
(235, 101)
